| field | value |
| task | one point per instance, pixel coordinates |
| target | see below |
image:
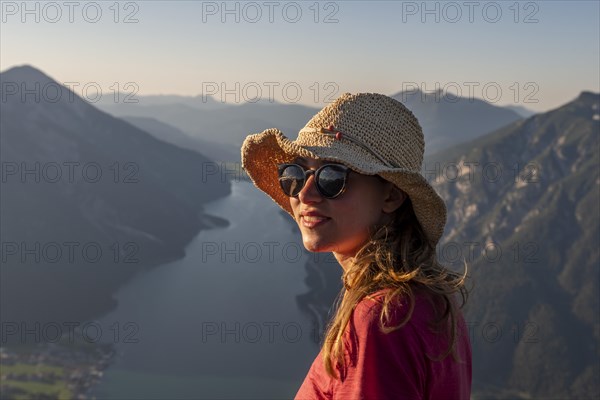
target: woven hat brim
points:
(261, 153)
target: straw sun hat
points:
(370, 133)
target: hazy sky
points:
(535, 54)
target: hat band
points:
(337, 135)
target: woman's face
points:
(347, 219)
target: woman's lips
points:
(313, 221)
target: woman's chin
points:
(316, 246)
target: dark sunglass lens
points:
(291, 179)
(332, 180)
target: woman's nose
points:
(309, 193)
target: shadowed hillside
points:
(87, 201)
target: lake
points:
(223, 321)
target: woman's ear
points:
(394, 197)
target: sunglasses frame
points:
(316, 172)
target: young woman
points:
(352, 182)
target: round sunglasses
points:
(330, 179)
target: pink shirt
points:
(394, 366)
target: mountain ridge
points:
(89, 174)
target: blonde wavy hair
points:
(398, 256)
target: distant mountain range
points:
(223, 127)
(170, 134)
(199, 101)
(447, 120)
(526, 219)
(76, 178)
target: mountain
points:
(225, 127)
(86, 201)
(542, 214)
(170, 134)
(447, 120)
(523, 212)
(199, 101)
